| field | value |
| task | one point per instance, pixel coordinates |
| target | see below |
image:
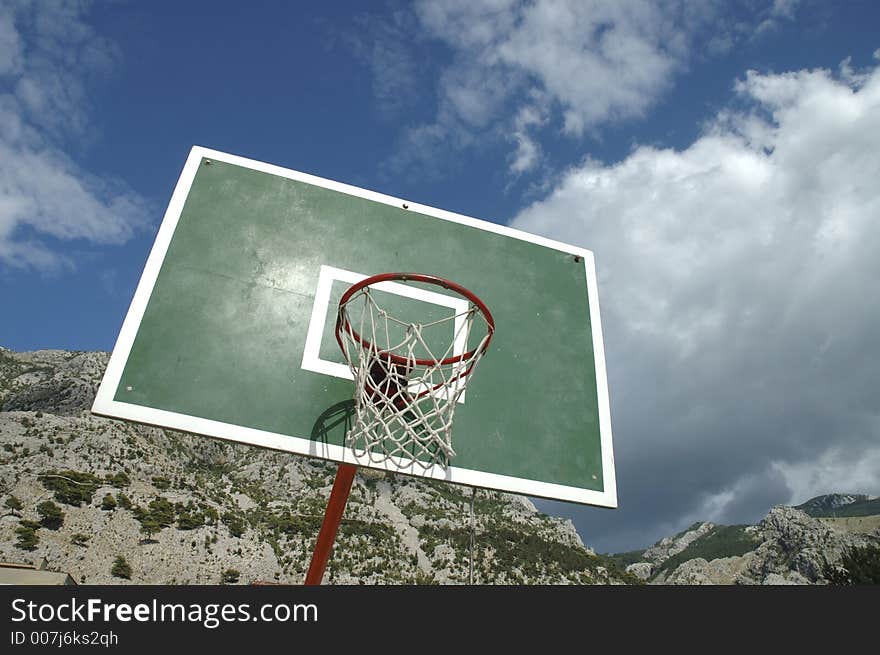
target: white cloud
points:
(590, 62)
(528, 150)
(600, 61)
(739, 280)
(47, 54)
(839, 469)
(46, 193)
(468, 23)
(593, 62)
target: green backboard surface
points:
(230, 332)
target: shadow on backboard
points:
(331, 427)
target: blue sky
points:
(720, 159)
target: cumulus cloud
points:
(589, 62)
(48, 56)
(598, 60)
(738, 279)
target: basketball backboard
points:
(231, 330)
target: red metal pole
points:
(332, 517)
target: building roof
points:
(28, 574)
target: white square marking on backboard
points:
(328, 274)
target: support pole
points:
(332, 517)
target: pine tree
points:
(27, 537)
(13, 504)
(121, 568)
(149, 527)
(52, 516)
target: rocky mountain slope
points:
(808, 544)
(841, 506)
(109, 501)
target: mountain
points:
(110, 502)
(841, 505)
(789, 546)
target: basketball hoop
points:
(408, 376)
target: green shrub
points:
(27, 537)
(79, 539)
(123, 501)
(13, 504)
(235, 522)
(630, 557)
(188, 519)
(51, 515)
(71, 487)
(162, 483)
(162, 511)
(209, 514)
(149, 527)
(230, 576)
(120, 479)
(108, 504)
(121, 568)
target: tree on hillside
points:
(161, 511)
(13, 504)
(121, 568)
(149, 527)
(51, 515)
(71, 487)
(27, 536)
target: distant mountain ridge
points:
(841, 505)
(791, 545)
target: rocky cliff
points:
(787, 547)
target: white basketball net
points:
(404, 406)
